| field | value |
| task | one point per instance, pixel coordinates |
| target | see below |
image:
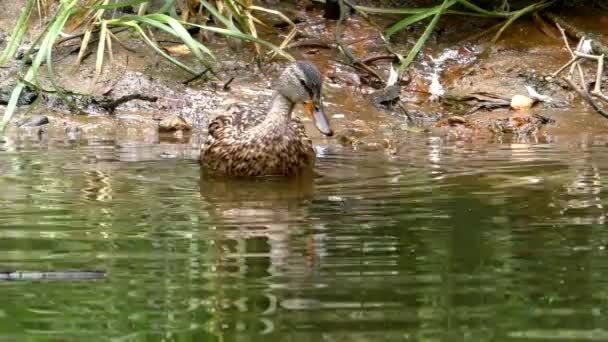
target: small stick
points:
(309, 43)
(373, 59)
(226, 86)
(196, 77)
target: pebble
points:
(174, 123)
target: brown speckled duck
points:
(245, 144)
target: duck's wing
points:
(238, 118)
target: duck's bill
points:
(316, 113)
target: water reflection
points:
(447, 239)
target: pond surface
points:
(446, 240)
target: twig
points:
(226, 85)
(344, 49)
(373, 59)
(309, 43)
(115, 30)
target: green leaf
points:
(407, 21)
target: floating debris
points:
(51, 275)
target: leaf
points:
(178, 50)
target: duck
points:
(274, 143)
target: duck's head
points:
(301, 82)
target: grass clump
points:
(228, 18)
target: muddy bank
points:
(363, 114)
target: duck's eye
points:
(303, 83)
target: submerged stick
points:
(61, 275)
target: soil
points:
(523, 57)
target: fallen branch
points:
(585, 95)
(577, 55)
(111, 105)
(576, 33)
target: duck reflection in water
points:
(275, 209)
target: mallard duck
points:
(249, 144)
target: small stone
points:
(33, 121)
(372, 146)
(386, 97)
(521, 102)
(174, 123)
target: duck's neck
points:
(279, 112)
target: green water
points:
(443, 241)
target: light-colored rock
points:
(521, 102)
(174, 123)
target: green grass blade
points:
(119, 4)
(181, 32)
(480, 10)
(17, 34)
(517, 14)
(52, 79)
(160, 51)
(236, 13)
(407, 21)
(229, 24)
(379, 10)
(169, 4)
(64, 11)
(244, 36)
(425, 35)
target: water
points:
(443, 241)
